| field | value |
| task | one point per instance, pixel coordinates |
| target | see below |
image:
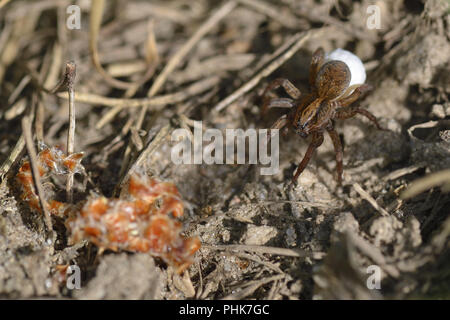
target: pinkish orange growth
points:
(150, 190)
(72, 162)
(49, 160)
(139, 223)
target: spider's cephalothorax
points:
(331, 97)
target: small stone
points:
(291, 237)
(259, 235)
(346, 222)
(438, 111)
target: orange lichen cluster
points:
(49, 161)
(139, 223)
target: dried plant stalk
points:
(26, 128)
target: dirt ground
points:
(262, 238)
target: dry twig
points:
(95, 23)
(259, 249)
(251, 287)
(403, 171)
(17, 150)
(26, 128)
(146, 153)
(440, 178)
(3, 3)
(192, 90)
(370, 199)
(70, 75)
(284, 18)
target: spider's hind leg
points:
(316, 62)
(371, 117)
(347, 99)
(347, 113)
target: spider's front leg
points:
(281, 123)
(317, 139)
(271, 101)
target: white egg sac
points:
(358, 73)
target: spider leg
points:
(348, 91)
(370, 116)
(287, 86)
(279, 124)
(316, 62)
(339, 154)
(268, 96)
(345, 113)
(277, 103)
(317, 140)
(351, 112)
(347, 100)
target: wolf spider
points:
(312, 114)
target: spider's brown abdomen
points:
(332, 79)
